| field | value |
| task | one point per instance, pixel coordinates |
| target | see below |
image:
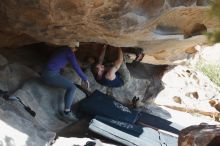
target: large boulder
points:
(207, 55)
(47, 101)
(157, 26)
(14, 75)
(16, 130)
(202, 135)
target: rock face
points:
(202, 135)
(188, 90)
(209, 54)
(17, 130)
(184, 88)
(47, 101)
(118, 23)
(17, 126)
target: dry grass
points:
(210, 70)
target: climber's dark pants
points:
(57, 80)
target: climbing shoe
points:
(139, 54)
(69, 116)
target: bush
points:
(210, 70)
(215, 12)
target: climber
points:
(51, 76)
(113, 74)
(108, 74)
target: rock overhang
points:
(118, 23)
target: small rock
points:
(217, 107)
(177, 99)
(212, 103)
(201, 135)
(191, 50)
(192, 94)
(195, 95)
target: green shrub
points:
(210, 70)
(215, 12)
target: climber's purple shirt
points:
(61, 58)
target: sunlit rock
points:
(118, 23)
(188, 90)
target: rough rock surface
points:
(161, 27)
(14, 75)
(13, 39)
(118, 23)
(209, 54)
(202, 135)
(188, 90)
(47, 101)
(20, 129)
